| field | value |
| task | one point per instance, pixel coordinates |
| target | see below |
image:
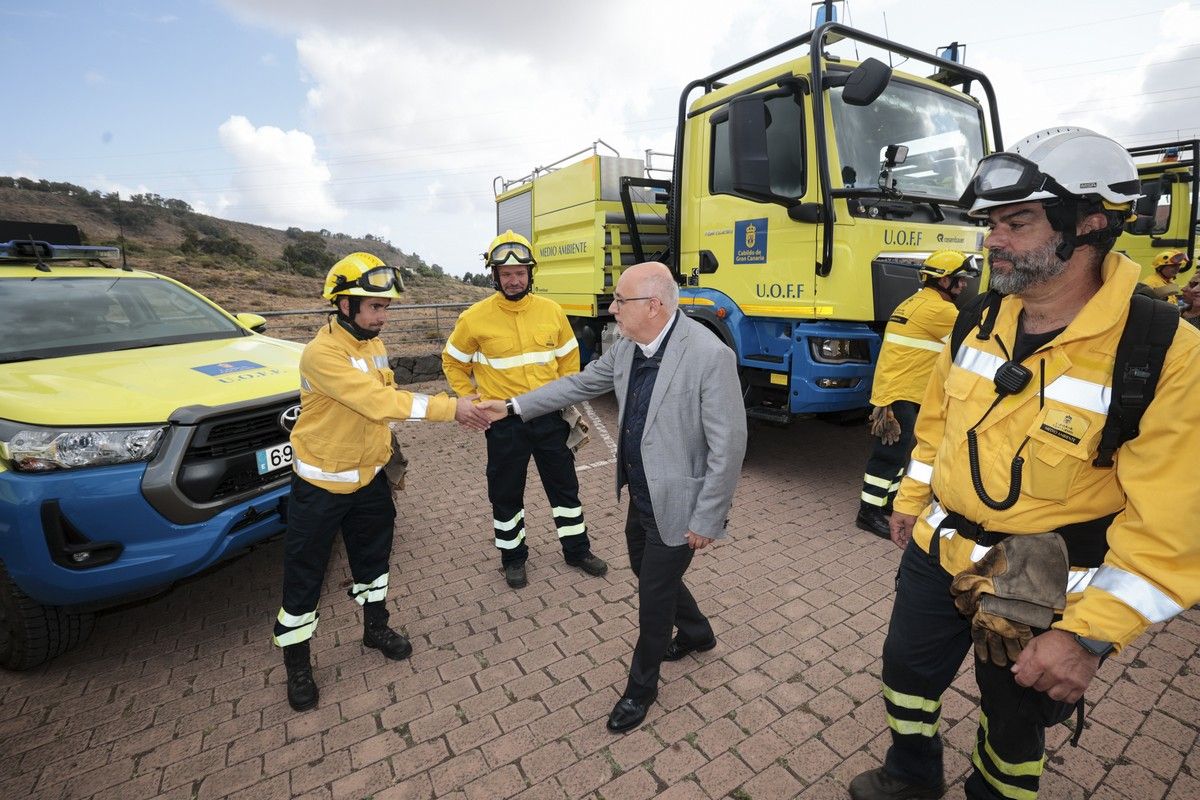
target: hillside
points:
(241, 266)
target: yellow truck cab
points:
(802, 200)
(1165, 216)
(143, 435)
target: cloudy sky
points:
(392, 117)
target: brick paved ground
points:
(507, 692)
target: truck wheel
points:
(31, 633)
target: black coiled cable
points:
(1014, 485)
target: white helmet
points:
(1055, 164)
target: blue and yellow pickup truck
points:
(143, 436)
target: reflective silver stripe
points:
(519, 360)
(1080, 393)
(295, 620)
(979, 362)
(318, 474)
(882, 483)
(909, 341)
(509, 544)
(572, 530)
(371, 592)
(871, 499)
(936, 515)
(458, 355)
(304, 384)
(1137, 593)
(510, 524)
(566, 348)
(296, 636)
(979, 551)
(420, 406)
(1078, 580)
(381, 362)
(563, 511)
(920, 471)
(359, 364)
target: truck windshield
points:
(51, 317)
(943, 134)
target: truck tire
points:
(31, 633)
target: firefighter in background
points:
(341, 447)
(1167, 266)
(916, 332)
(509, 344)
(1015, 539)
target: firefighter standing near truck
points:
(342, 447)
(916, 333)
(1167, 266)
(1028, 530)
(509, 344)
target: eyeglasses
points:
(619, 301)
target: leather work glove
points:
(1017, 586)
(580, 433)
(397, 465)
(884, 425)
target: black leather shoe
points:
(302, 692)
(514, 575)
(628, 713)
(395, 646)
(872, 520)
(877, 784)
(677, 650)
(590, 564)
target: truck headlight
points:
(839, 351)
(46, 449)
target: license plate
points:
(273, 458)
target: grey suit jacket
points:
(695, 435)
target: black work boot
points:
(514, 575)
(588, 563)
(302, 690)
(879, 784)
(873, 520)
(378, 635)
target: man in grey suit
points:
(682, 439)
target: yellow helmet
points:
(1172, 258)
(948, 264)
(509, 248)
(362, 275)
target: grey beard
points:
(1036, 267)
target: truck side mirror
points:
(749, 165)
(865, 84)
(254, 322)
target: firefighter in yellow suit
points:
(506, 345)
(340, 445)
(1167, 266)
(1006, 464)
(916, 333)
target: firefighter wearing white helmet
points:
(509, 344)
(341, 450)
(1031, 514)
(916, 332)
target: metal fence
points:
(411, 329)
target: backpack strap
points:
(1149, 330)
(972, 316)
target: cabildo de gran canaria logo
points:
(750, 241)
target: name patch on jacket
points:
(1065, 425)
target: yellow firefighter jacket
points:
(348, 395)
(509, 348)
(1152, 569)
(916, 332)
(1158, 283)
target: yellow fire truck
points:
(801, 201)
(1166, 214)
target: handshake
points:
(479, 416)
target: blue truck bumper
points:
(105, 504)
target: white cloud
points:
(93, 78)
(281, 181)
